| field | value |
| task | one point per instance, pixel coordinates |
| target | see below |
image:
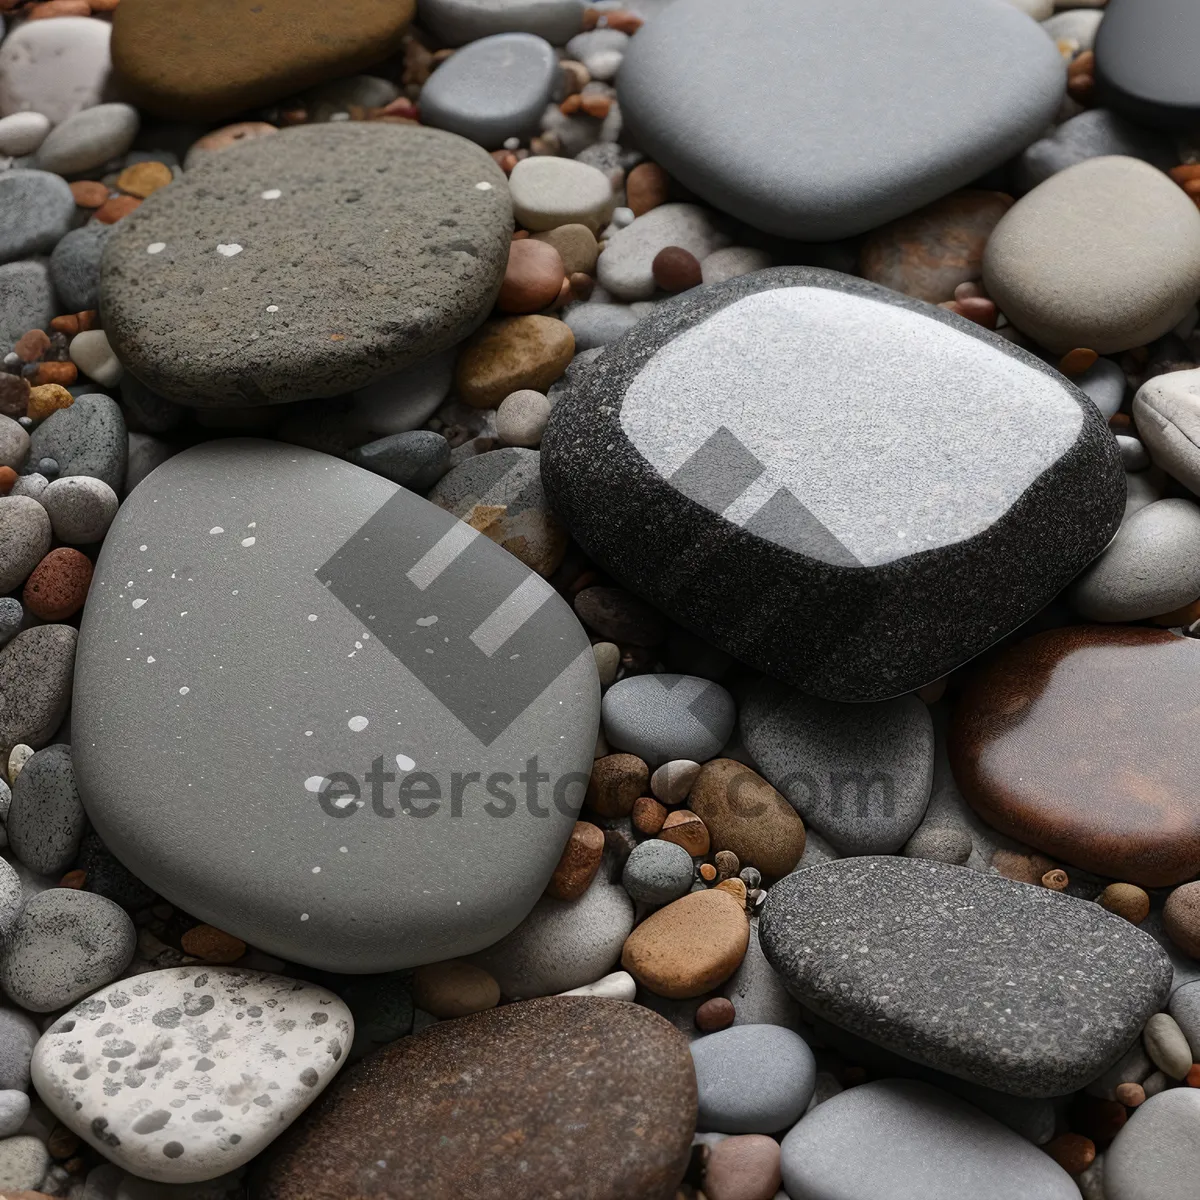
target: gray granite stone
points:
(24, 539)
(657, 872)
(12, 614)
(12, 897)
(922, 1141)
(1185, 1008)
(75, 266)
(665, 717)
(860, 774)
(86, 438)
(457, 21)
(14, 1109)
(899, 105)
(925, 959)
(350, 630)
(273, 237)
(1156, 1154)
(36, 209)
(23, 1162)
(46, 820)
(492, 89)
(415, 460)
(18, 1036)
(734, 495)
(36, 669)
(26, 300)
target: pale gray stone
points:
(459, 21)
(665, 717)
(1156, 1155)
(1166, 409)
(88, 139)
(624, 268)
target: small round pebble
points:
(533, 278)
(1181, 918)
(717, 1013)
(548, 192)
(81, 508)
(454, 988)
(672, 781)
(676, 269)
(657, 872)
(607, 654)
(1126, 900)
(23, 1163)
(617, 781)
(59, 585)
(940, 843)
(522, 416)
(14, 1109)
(1166, 1045)
(416, 459)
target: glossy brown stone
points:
(579, 862)
(1081, 743)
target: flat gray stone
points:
(860, 774)
(36, 209)
(24, 539)
(661, 718)
(899, 105)
(86, 438)
(75, 266)
(457, 21)
(36, 669)
(1167, 411)
(88, 139)
(924, 959)
(14, 1109)
(407, 399)
(1104, 384)
(46, 820)
(26, 300)
(1156, 1155)
(492, 89)
(275, 236)
(657, 872)
(1185, 1008)
(350, 630)
(625, 267)
(923, 1141)
(752, 1079)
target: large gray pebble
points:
(75, 266)
(752, 1078)
(598, 324)
(624, 268)
(23, 1162)
(1104, 383)
(664, 717)
(1151, 567)
(904, 1139)
(88, 139)
(1167, 412)
(46, 820)
(88, 438)
(36, 209)
(415, 460)
(860, 774)
(26, 300)
(36, 670)
(14, 1108)
(18, 1036)
(24, 539)
(12, 896)
(14, 442)
(65, 946)
(81, 509)
(1185, 1008)
(657, 872)
(457, 21)
(562, 944)
(1156, 1155)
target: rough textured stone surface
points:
(26, 300)
(899, 105)
(36, 209)
(276, 236)
(184, 1105)
(664, 717)
(46, 819)
(207, 59)
(24, 539)
(484, 1105)
(75, 266)
(943, 947)
(1156, 1155)
(36, 669)
(302, 567)
(722, 503)
(86, 438)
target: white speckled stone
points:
(54, 67)
(624, 267)
(23, 1162)
(185, 1074)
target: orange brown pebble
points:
(623, 22)
(47, 398)
(1130, 1094)
(32, 345)
(687, 830)
(62, 373)
(1072, 1151)
(708, 872)
(1185, 172)
(648, 815)
(88, 193)
(579, 862)
(646, 187)
(144, 179)
(1075, 362)
(7, 478)
(68, 325)
(59, 8)
(596, 106)
(231, 135)
(73, 879)
(212, 945)
(676, 269)
(99, 6)
(1193, 1076)
(59, 584)
(116, 207)
(533, 279)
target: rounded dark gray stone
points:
(657, 872)
(86, 438)
(26, 300)
(36, 209)
(415, 460)
(18, 1036)
(12, 898)
(664, 717)
(46, 819)
(12, 614)
(307, 264)
(36, 669)
(857, 511)
(107, 876)
(925, 959)
(893, 105)
(75, 266)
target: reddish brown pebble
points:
(533, 277)
(979, 310)
(581, 284)
(58, 585)
(571, 105)
(7, 478)
(591, 18)
(62, 373)
(212, 945)
(1021, 868)
(1056, 880)
(231, 135)
(88, 319)
(623, 22)
(1075, 362)
(116, 207)
(1185, 172)
(32, 345)
(73, 879)
(402, 106)
(1192, 1079)
(88, 193)
(68, 325)
(579, 862)
(595, 105)
(1130, 1094)
(616, 783)
(646, 187)
(715, 1014)
(14, 395)
(454, 988)
(59, 8)
(687, 830)
(676, 269)
(1072, 1151)
(505, 160)
(648, 815)
(62, 1143)
(1126, 900)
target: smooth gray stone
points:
(657, 872)
(25, 536)
(661, 718)
(36, 209)
(75, 266)
(914, 955)
(898, 105)
(1104, 383)
(1151, 567)
(457, 21)
(379, 698)
(145, 454)
(1156, 1155)
(87, 438)
(415, 460)
(26, 300)
(1140, 492)
(598, 324)
(1089, 135)
(1166, 409)
(88, 139)
(35, 685)
(1133, 453)
(407, 399)
(1185, 1008)
(752, 1079)
(18, 1036)
(46, 820)
(757, 992)
(860, 774)
(14, 1109)
(924, 1145)
(66, 945)
(492, 89)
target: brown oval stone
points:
(567, 1096)
(646, 187)
(510, 354)
(689, 947)
(116, 207)
(687, 830)
(1126, 900)
(579, 863)
(745, 1167)
(58, 585)
(617, 781)
(714, 1014)
(63, 373)
(533, 278)
(648, 815)
(676, 269)
(89, 193)
(1079, 742)
(576, 246)
(745, 814)
(213, 945)
(455, 988)
(931, 251)
(735, 887)
(1181, 918)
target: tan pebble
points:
(59, 8)
(510, 354)
(453, 989)
(579, 862)
(47, 398)
(576, 246)
(1130, 1094)
(1181, 918)
(1167, 1045)
(533, 278)
(617, 781)
(646, 187)
(608, 662)
(144, 179)
(1126, 900)
(212, 945)
(18, 756)
(735, 887)
(687, 830)
(582, 285)
(672, 782)
(233, 135)
(522, 417)
(88, 193)
(648, 815)
(744, 1167)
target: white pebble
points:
(522, 417)
(92, 354)
(22, 133)
(619, 985)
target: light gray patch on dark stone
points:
(718, 472)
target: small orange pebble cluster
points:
(621, 20)
(1081, 77)
(1075, 362)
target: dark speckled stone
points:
(575, 1098)
(86, 438)
(1018, 988)
(844, 487)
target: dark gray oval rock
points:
(36, 209)
(308, 264)
(306, 646)
(36, 669)
(1019, 988)
(46, 819)
(86, 438)
(857, 510)
(25, 535)
(75, 266)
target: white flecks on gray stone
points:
(664, 717)
(65, 945)
(657, 872)
(860, 774)
(14, 1108)
(562, 944)
(940, 1147)
(36, 209)
(46, 819)
(1151, 567)
(731, 262)
(184, 1104)
(23, 1162)
(92, 354)
(81, 508)
(26, 299)
(1104, 383)
(25, 535)
(88, 139)
(18, 1036)
(1166, 409)
(625, 265)
(36, 670)
(54, 67)
(87, 438)
(14, 441)
(492, 89)
(548, 191)
(1156, 1155)
(22, 133)
(752, 1079)
(457, 21)
(598, 324)
(1185, 1008)
(407, 399)
(1167, 1046)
